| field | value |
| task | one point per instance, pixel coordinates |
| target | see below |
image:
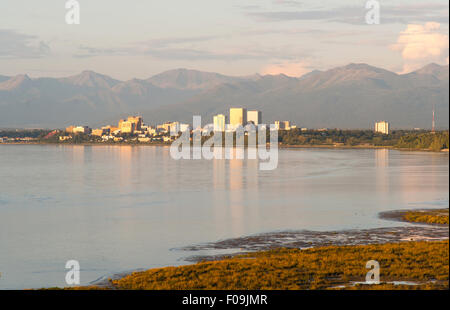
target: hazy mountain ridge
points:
(189, 79)
(351, 96)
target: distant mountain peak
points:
(362, 67)
(188, 79)
(15, 82)
(89, 78)
(439, 71)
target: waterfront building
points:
(110, 129)
(120, 123)
(144, 139)
(382, 127)
(128, 127)
(70, 129)
(137, 121)
(64, 138)
(219, 122)
(106, 130)
(238, 117)
(81, 129)
(164, 127)
(282, 125)
(255, 117)
(174, 128)
(97, 132)
(185, 127)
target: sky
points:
(141, 38)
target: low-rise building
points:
(107, 138)
(81, 129)
(97, 132)
(282, 125)
(382, 127)
(219, 122)
(185, 127)
(144, 140)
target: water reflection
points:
(117, 208)
(382, 173)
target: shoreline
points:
(280, 146)
(312, 240)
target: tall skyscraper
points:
(219, 122)
(382, 127)
(137, 120)
(238, 116)
(128, 127)
(255, 117)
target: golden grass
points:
(426, 263)
(430, 217)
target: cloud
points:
(293, 69)
(288, 3)
(166, 48)
(422, 44)
(186, 49)
(355, 15)
(17, 45)
(166, 53)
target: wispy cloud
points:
(18, 45)
(186, 49)
(356, 14)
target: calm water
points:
(117, 209)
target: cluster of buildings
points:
(135, 126)
(242, 117)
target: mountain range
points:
(351, 96)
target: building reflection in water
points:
(382, 178)
(231, 179)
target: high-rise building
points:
(137, 120)
(219, 122)
(382, 127)
(128, 127)
(238, 116)
(255, 117)
(174, 128)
